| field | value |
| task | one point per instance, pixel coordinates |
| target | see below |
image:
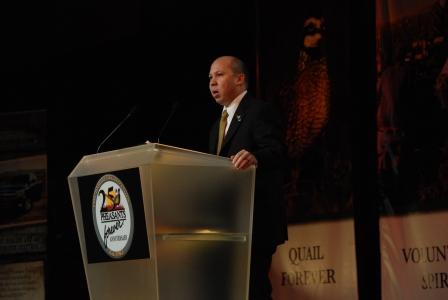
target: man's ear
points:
(240, 78)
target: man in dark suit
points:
(250, 133)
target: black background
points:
(88, 62)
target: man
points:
(251, 134)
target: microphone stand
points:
(173, 109)
(116, 127)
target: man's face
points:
(224, 84)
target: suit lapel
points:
(237, 120)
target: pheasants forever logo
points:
(113, 217)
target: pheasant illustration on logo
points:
(111, 201)
(113, 216)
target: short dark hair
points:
(238, 66)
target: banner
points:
(414, 251)
(22, 281)
(303, 71)
(317, 262)
(412, 147)
(23, 204)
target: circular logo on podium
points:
(113, 217)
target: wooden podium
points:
(159, 222)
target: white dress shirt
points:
(231, 109)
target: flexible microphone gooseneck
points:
(173, 109)
(133, 109)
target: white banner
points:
(414, 250)
(22, 281)
(318, 262)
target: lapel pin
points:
(238, 118)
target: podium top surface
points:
(150, 153)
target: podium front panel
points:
(203, 231)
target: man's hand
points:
(243, 159)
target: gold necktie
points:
(222, 130)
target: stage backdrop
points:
(412, 147)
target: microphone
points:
(173, 109)
(133, 109)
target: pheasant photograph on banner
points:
(318, 261)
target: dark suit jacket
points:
(257, 128)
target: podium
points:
(160, 222)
